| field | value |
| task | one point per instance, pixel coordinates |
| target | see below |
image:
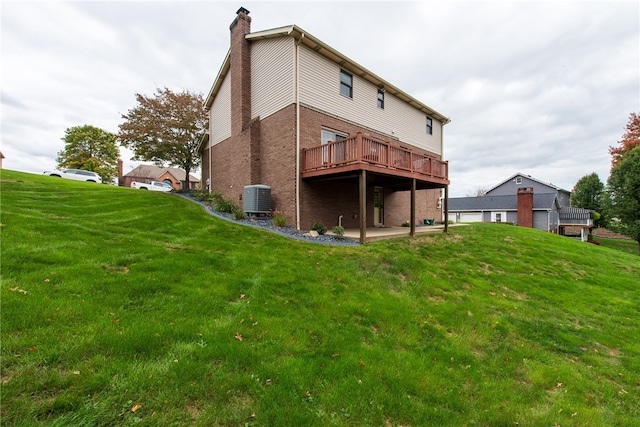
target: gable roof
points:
(500, 203)
(327, 51)
(154, 172)
(555, 187)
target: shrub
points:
(216, 197)
(200, 195)
(238, 214)
(279, 220)
(338, 230)
(406, 224)
(225, 206)
(319, 227)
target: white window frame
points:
(502, 215)
(327, 135)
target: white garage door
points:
(470, 217)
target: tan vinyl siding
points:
(220, 114)
(272, 75)
(320, 89)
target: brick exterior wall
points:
(397, 206)
(278, 159)
(320, 201)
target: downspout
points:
(297, 90)
(445, 204)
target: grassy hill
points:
(127, 307)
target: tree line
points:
(165, 129)
(616, 205)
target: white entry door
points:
(378, 207)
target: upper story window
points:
(346, 84)
(518, 180)
(429, 126)
(381, 98)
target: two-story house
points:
(526, 201)
(334, 142)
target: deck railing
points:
(575, 216)
(361, 149)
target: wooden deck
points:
(362, 153)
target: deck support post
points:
(446, 209)
(363, 207)
(413, 208)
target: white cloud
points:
(542, 88)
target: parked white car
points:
(77, 174)
(153, 186)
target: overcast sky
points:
(542, 88)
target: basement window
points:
(346, 84)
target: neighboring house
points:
(526, 201)
(334, 142)
(147, 173)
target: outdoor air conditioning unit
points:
(257, 199)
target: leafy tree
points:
(587, 194)
(629, 141)
(90, 148)
(623, 195)
(166, 129)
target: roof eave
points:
(224, 70)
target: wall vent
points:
(257, 199)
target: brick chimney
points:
(240, 69)
(245, 134)
(525, 207)
(120, 170)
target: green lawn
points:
(125, 307)
(625, 245)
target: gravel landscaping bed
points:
(266, 223)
